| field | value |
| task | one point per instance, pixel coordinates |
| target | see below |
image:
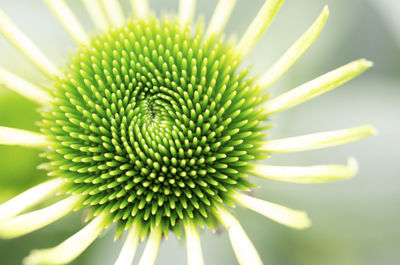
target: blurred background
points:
(355, 222)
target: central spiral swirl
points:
(154, 124)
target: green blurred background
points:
(354, 222)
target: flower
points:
(154, 127)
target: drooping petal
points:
(194, 253)
(283, 215)
(318, 140)
(151, 250)
(24, 88)
(294, 52)
(68, 20)
(186, 11)
(97, 14)
(140, 8)
(70, 248)
(317, 86)
(11, 136)
(258, 26)
(245, 252)
(129, 248)
(18, 39)
(114, 12)
(311, 174)
(29, 222)
(29, 198)
(220, 17)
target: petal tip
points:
(353, 166)
(366, 63)
(326, 10)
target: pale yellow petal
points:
(245, 251)
(294, 52)
(20, 41)
(30, 198)
(70, 248)
(257, 27)
(316, 87)
(68, 20)
(32, 221)
(129, 248)
(11, 136)
(280, 214)
(194, 253)
(318, 140)
(24, 88)
(311, 174)
(220, 17)
(151, 250)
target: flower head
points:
(153, 126)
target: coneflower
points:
(153, 125)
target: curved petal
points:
(29, 222)
(97, 14)
(20, 41)
(114, 12)
(316, 87)
(220, 17)
(186, 11)
(194, 254)
(141, 8)
(30, 198)
(294, 52)
(129, 249)
(280, 214)
(11, 136)
(68, 20)
(311, 174)
(257, 27)
(151, 250)
(70, 248)
(24, 88)
(245, 252)
(318, 140)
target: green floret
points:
(154, 125)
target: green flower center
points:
(154, 124)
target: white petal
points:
(186, 11)
(317, 86)
(97, 14)
(29, 198)
(141, 8)
(17, 38)
(245, 252)
(70, 248)
(114, 12)
(283, 215)
(194, 254)
(311, 174)
(318, 140)
(11, 136)
(220, 17)
(294, 52)
(129, 249)
(151, 250)
(26, 223)
(258, 26)
(24, 88)
(68, 20)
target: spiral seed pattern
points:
(154, 124)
